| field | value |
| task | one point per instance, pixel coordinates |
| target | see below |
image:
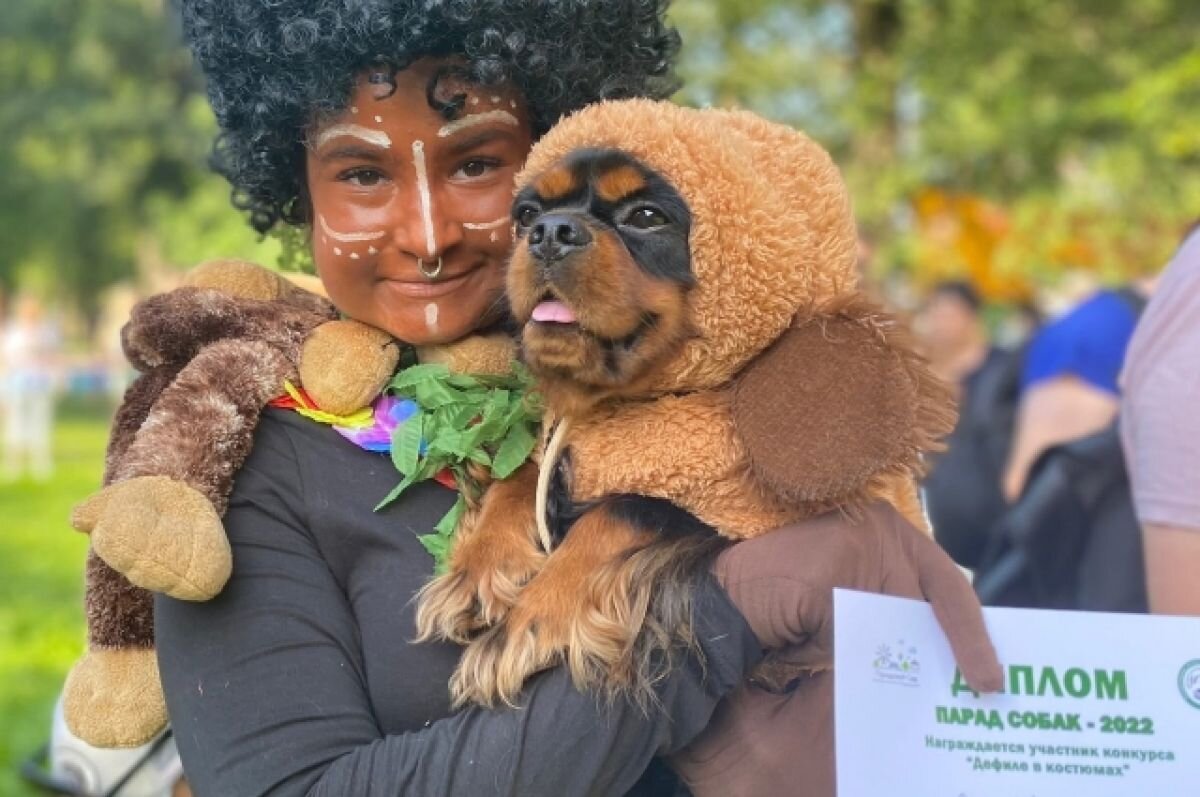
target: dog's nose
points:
(556, 235)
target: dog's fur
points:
(722, 378)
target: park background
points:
(1033, 147)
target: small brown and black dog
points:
(685, 285)
(600, 279)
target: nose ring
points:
(429, 273)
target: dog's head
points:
(665, 249)
(661, 248)
(601, 275)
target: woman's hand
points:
(783, 584)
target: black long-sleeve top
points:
(300, 677)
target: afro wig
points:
(273, 67)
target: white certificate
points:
(1095, 705)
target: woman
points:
(393, 131)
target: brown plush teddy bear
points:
(210, 355)
(686, 280)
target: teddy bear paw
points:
(161, 534)
(113, 698)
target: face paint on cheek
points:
(347, 237)
(418, 150)
(431, 316)
(486, 225)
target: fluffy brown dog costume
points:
(687, 283)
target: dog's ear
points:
(839, 401)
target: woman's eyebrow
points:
(377, 138)
(467, 143)
(350, 152)
(473, 119)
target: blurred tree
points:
(103, 137)
(1087, 109)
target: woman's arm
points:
(267, 689)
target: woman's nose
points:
(425, 227)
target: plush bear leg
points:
(112, 696)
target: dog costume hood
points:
(765, 201)
(797, 394)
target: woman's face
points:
(395, 188)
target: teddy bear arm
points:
(174, 327)
(200, 429)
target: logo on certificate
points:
(898, 664)
(1189, 682)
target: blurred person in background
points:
(962, 490)
(28, 353)
(1160, 432)
(1068, 386)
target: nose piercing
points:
(429, 273)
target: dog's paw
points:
(496, 664)
(481, 587)
(159, 533)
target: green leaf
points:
(406, 381)
(513, 451)
(406, 444)
(405, 483)
(432, 393)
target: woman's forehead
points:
(410, 103)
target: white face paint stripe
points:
(478, 119)
(418, 150)
(487, 225)
(347, 237)
(431, 316)
(376, 137)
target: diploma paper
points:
(1095, 704)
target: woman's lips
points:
(430, 289)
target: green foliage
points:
(104, 132)
(41, 590)
(1087, 107)
(461, 420)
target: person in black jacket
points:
(390, 131)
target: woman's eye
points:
(527, 215)
(476, 168)
(646, 218)
(363, 178)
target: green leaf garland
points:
(487, 420)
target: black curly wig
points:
(274, 66)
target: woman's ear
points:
(840, 400)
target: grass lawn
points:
(41, 588)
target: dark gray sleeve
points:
(267, 695)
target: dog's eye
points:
(646, 218)
(526, 215)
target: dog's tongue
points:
(554, 313)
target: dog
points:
(684, 282)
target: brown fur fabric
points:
(790, 395)
(118, 613)
(175, 326)
(202, 425)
